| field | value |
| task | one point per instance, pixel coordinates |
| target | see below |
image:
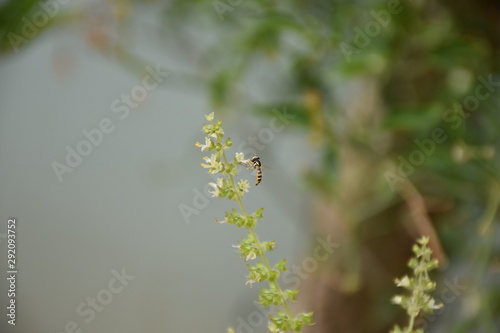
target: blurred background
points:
(378, 121)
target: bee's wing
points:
(266, 168)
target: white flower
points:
(243, 185)
(209, 144)
(239, 158)
(217, 187)
(404, 282)
(397, 299)
(273, 328)
(251, 256)
(250, 282)
(213, 164)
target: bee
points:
(256, 165)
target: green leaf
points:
(210, 117)
(291, 294)
(281, 266)
(258, 213)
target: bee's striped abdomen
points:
(257, 165)
(259, 176)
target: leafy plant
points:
(250, 248)
(420, 285)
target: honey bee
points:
(255, 165)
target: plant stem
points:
(414, 297)
(411, 323)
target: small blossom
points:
(433, 305)
(251, 256)
(273, 328)
(238, 158)
(208, 161)
(219, 221)
(216, 193)
(397, 299)
(252, 281)
(404, 282)
(213, 164)
(209, 145)
(243, 185)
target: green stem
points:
(415, 296)
(411, 323)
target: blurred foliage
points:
(363, 81)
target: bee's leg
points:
(248, 166)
